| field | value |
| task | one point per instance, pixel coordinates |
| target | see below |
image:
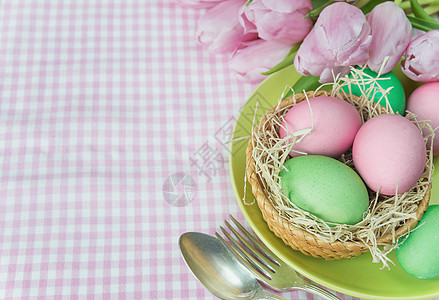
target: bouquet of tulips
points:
(323, 39)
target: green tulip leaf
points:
(287, 61)
(419, 12)
(305, 83)
(318, 6)
(367, 8)
(423, 24)
(318, 3)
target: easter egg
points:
(326, 188)
(418, 255)
(424, 102)
(389, 153)
(330, 125)
(375, 86)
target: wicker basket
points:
(298, 238)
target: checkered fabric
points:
(112, 122)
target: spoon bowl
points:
(218, 269)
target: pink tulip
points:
(257, 57)
(391, 34)
(219, 28)
(196, 3)
(422, 58)
(340, 38)
(278, 19)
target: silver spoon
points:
(219, 270)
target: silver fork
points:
(264, 264)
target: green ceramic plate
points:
(357, 277)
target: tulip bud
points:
(219, 28)
(421, 61)
(391, 34)
(340, 38)
(278, 19)
(257, 57)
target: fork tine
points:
(260, 256)
(257, 272)
(262, 248)
(261, 267)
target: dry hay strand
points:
(387, 218)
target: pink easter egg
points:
(424, 102)
(332, 125)
(389, 153)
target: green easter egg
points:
(325, 187)
(396, 95)
(418, 255)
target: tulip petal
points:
(219, 28)
(257, 57)
(340, 38)
(281, 6)
(391, 34)
(248, 26)
(278, 19)
(421, 61)
(291, 27)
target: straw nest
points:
(387, 218)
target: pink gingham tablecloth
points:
(112, 129)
